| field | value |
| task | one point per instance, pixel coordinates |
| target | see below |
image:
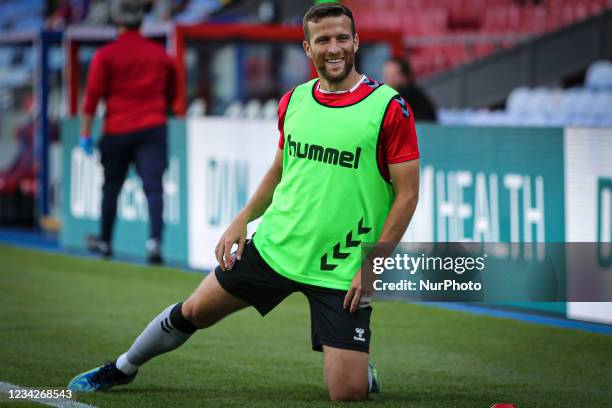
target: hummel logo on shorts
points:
(359, 336)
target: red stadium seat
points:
(482, 50)
(445, 19)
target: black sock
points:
(178, 320)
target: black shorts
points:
(255, 282)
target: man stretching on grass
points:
(346, 172)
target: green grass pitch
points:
(60, 315)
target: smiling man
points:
(347, 174)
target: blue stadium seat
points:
(580, 106)
(517, 99)
(599, 75)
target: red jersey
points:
(397, 141)
(136, 78)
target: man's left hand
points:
(357, 296)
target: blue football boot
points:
(100, 379)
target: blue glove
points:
(86, 144)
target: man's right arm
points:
(257, 205)
(94, 90)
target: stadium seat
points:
(442, 20)
(599, 108)
(578, 109)
(252, 109)
(269, 109)
(517, 100)
(233, 110)
(580, 106)
(599, 75)
(602, 109)
(197, 108)
(533, 19)
(481, 50)
(560, 112)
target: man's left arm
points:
(400, 162)
(172, 86)
(405, 178)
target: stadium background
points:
(523, 90)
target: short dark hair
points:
(318, 11)
(127, 13)
(404, 67)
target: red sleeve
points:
(282, 110)
(398, 139)
(96, 80)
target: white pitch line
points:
(5, 387)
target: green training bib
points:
(331, 197)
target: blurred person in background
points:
(137, 79)
(58, 14)
(98, 13)
(397, 73)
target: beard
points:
(335, 77)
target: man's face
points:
(332, 47)
(392, 75)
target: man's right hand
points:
(235, 233)
(86, 144)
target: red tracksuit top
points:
(136, 78)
